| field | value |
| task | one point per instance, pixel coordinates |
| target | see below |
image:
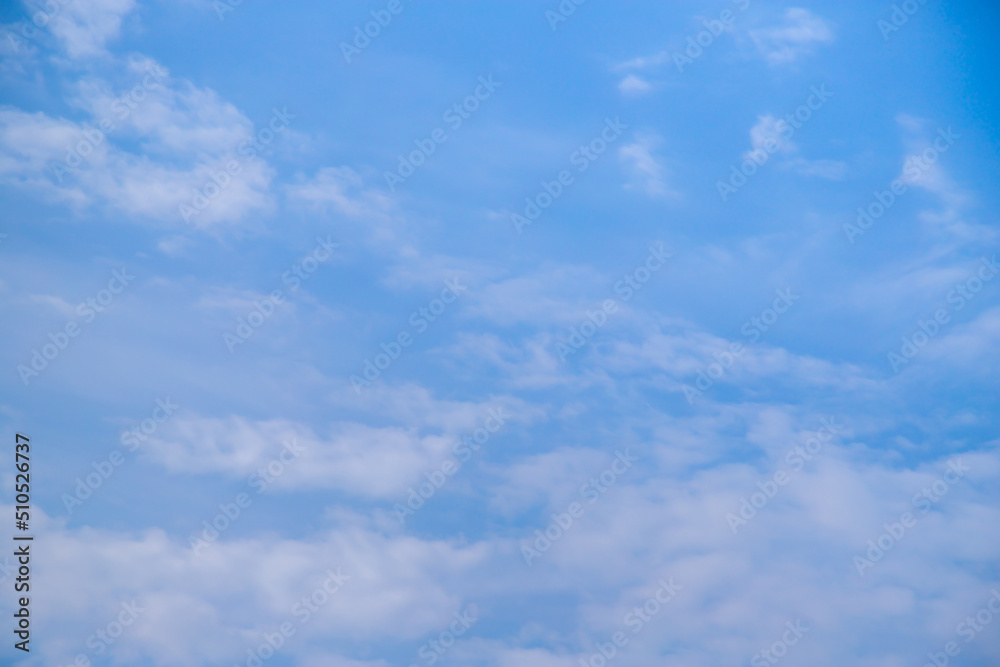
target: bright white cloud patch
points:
(85, 26)
(148, 145)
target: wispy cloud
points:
(769, 129)
(634, 86)
(644, 62)
(799, 35)
(649, 173)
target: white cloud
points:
(768, 129)
(664, 519)
(373, 462)
(649, 173)
(800, 33)
(971, 346)
(548, 479)
(644, 62)
(928, 149)
(85, 26)
(922, 166)
(174, 246)
(634, 86)
(57, 303)
(367, 462)
(773, 132)
(342, 189)
(186, 138)
(214, 605)
(553, 294)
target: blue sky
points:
(723, 397)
